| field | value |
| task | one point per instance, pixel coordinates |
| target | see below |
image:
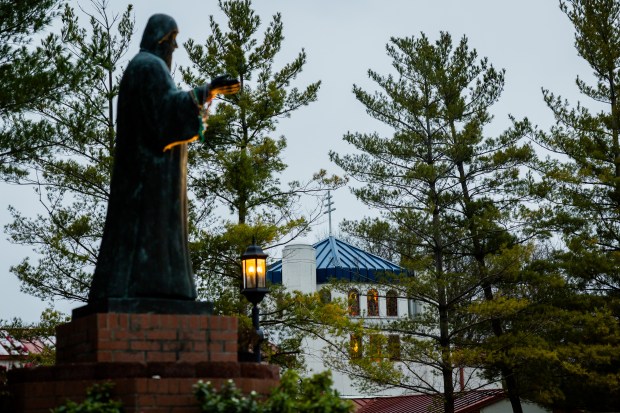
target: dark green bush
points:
(98, 400)
(294, 394)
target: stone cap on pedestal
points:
(144, 305)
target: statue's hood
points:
(158, 26)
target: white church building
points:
(308, 268)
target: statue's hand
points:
(223, 85)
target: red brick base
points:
(154, 360)
(114, 337)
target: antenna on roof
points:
(329, 204)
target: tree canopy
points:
(450, 197)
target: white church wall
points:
(313, 348)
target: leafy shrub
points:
(98, 400)
(294, 394)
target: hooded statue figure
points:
(144, 250)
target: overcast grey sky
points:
(531, 39)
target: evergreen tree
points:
(582, 185)
(71, 178)
(450, 198)
(239, 168)
(586, 181)
(31, 76)
(560, 347)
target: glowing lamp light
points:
(254, 271)
(253, 264)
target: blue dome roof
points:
(342, 261)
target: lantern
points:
(254, 271)
(254, 268)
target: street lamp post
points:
(254, 269)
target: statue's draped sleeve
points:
(169, 114)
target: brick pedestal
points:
(154, 359)
(144, 338)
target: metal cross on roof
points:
(329, 204)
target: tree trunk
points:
(513, 390)
(479, 254)
(444, 325)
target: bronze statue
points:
(144, 251)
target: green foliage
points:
(582, 187)
(451, 198)
(290, 317)
(28, 74)
(294, 394)
(239, 167)
(287, 318)
(32, 77)
(586, 182)
(98, 400)
(241, 171)
(71, 176)
(227, 399)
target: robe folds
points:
(144, 250)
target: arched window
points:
(373, 303)
(325, 295)
(391, 301)
(356, 346)
(354, 302)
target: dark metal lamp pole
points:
(254, 267)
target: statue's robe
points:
(144, 251)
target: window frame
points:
(355, 346)
(354, 302)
